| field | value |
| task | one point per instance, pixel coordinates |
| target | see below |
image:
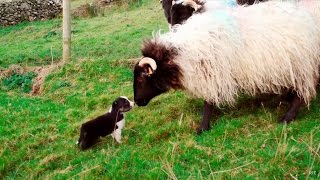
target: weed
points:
(19, 81)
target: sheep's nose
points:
(141, 102)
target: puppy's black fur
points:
(104, 124)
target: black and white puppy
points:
(110, 123)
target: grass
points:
(38, 133)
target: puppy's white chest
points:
(120, 124)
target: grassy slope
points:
(38, 134)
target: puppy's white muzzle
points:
(131, 103)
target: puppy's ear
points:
(191, 3)
(115, 103)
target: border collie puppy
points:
(110, 123)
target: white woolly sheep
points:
(270, 47)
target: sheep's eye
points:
(144, 74)
(140, 78)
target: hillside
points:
(38, 132)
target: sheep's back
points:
(280, 49)
(264, 48)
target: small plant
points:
(16, 80)
(50, 34)
(136, 3)
(64, 84)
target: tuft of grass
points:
(38, 133)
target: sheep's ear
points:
(115, 103)
(173, 2)
(190, 3)
(150, 71)
(147, 71)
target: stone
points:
(20, 10)
(25, 6)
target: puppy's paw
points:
(117, 135)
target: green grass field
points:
(38, 132)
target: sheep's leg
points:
(207, 114)
(293, 111)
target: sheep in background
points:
(271, 47)
(248, 2)
(176, 12)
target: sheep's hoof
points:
(201, 129)
(287, 118)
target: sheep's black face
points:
(180, 13)
(144, 86)
(248, 2)
(166, 5)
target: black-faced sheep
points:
(178, 11)
(270, 47)
(248, 2)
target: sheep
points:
(248, 2)
(176, 12)
(271, 47)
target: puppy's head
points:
(122, 104)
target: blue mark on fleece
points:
(231, 3)
(224, 16)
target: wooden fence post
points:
(66, 31)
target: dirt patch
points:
(86, 10)
(102, 3)
(42, 73)
(97, 7)
(91, 10)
